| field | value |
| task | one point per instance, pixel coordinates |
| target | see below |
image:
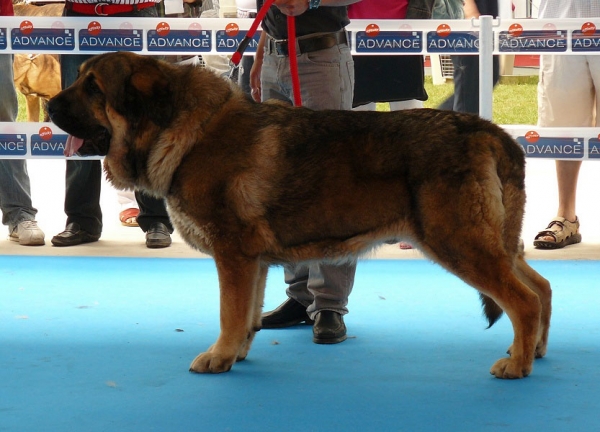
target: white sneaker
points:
(27, 233)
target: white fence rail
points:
(161, 36)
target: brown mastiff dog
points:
(37, 76)
(261, 184)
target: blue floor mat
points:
(104, 344)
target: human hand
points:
(255, 81)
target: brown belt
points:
(105, 9)
(306, 45)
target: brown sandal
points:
(129, 216)
(562, 230)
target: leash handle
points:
(237, 55)
(291, 25)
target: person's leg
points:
(458, 77)
(15, 199)
(15, 188)
(562, 80)
(466, 84)
(154, 220)
(9, 105)
(567, 174)
(83, 180)
(244, 73)
(327, 78)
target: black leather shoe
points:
(289, 313)
(158, 236)
(329, 328)
(73, 235)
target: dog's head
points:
(115, 95)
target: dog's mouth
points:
(98, 145)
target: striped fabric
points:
(115, 2)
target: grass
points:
(515, 100)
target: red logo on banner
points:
(372, 30)
(588, 28)
(194, 29)
(94, 28)
(45, 133)
(58, 26)
(549, 27)
(232, 29)
(532, 136)
(163, 28)
(443, 30)
(26, 27)
(515, 30)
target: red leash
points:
(237, 55)
(291, 24)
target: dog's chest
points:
(200, 237)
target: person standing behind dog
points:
(400, 79)
(15, 188)
(83, 177)
(466, 67)
(568, 96)
(397, 79)
(316, 291)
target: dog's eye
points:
(91, 86)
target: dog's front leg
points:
(256, 316)
(238, 280)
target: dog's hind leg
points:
(239, 278)
(481, 260)
(541, 287)
(495, 276)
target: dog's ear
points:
(148, 94)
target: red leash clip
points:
(291, 24)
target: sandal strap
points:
(567, 228)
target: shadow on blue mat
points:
(104, 344)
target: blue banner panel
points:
(111, 40)
(454, 42)
(228, 43)
(585, 42)
(53, 146)
(594, 148)
(553, 148)
(180, 41)
(3, 38)
(533, 40)
(36, 40)
(13, 144)
(389, 42)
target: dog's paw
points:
(508, 368)
(540, 350)
(210, 362)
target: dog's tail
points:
(491, 310)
